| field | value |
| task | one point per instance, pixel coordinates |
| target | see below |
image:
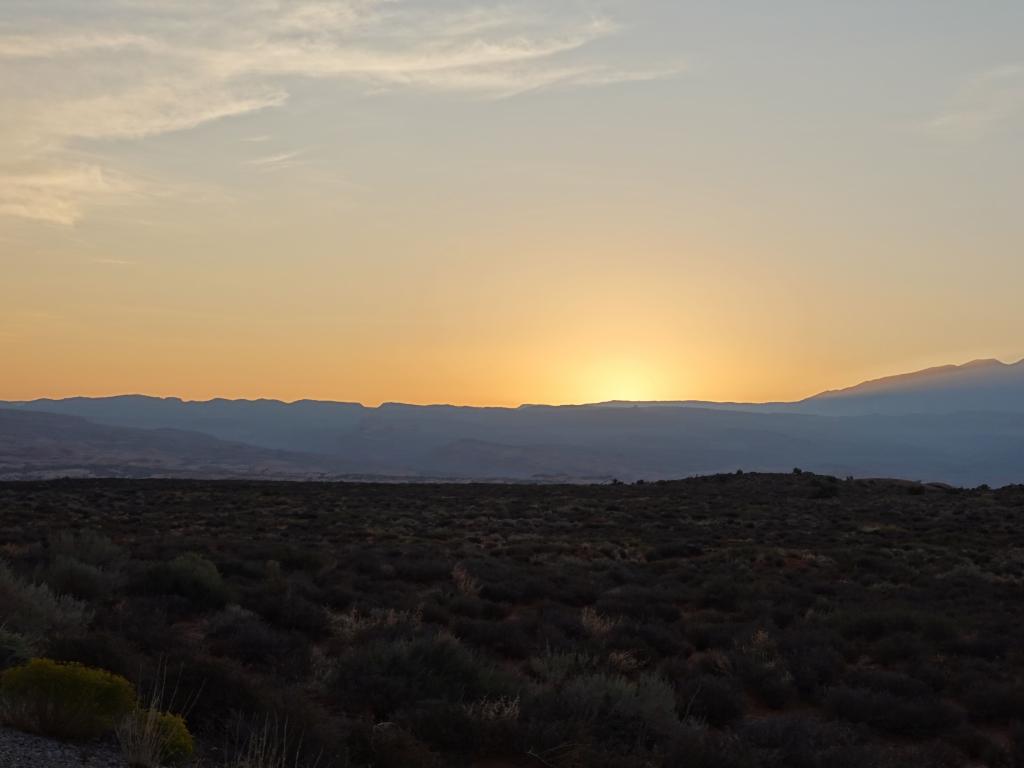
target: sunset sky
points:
(506, 202)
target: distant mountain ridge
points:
(981, 385)
(40, 445)
(959, 424)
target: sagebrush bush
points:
(716, 700)
(394, 747)
(556, 667)
(65, 700)
(763, 670)
(87, 547)
(104, 650)
(614, 711)
(243, 635)
(459, 729)
(695, 747)
(35, 612)
(917, 717)
(386, 676)
(69, 576)
(190, 575)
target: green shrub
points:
(191, 576)
(86, 547)
(612, 711)
(35, 612)
(67, 575)
(386, 676)
(64, 700)
(150, 739)
(242, 635)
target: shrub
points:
(557, 667)
(995, 702)
(214, 688)
(69, 576)
(14, 649)
(97, 649)
(64, 700)
(191, 576)
(394, 747)
(700, 748)
(464, 581)
(597, 624)
(35, 612)
(619, 714)
(484, 727)
(793, 741)
(917, 717)
(86, 547)
(882, 681)
(272, 744)
(291, 610)
(150, 739)
(1017, 743)
(901, 646)
(386, 676)
(507, 639)
(763, 670)
(814, 667)
(242, 635)
(707, 697)
(978, 746)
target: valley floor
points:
(734, 620)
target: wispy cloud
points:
(69, 44)
(133, 69)
(280, 160)
(981, 105)
(115, 262)
(55, 195)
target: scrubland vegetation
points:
(724, 622)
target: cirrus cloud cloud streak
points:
(131, 69)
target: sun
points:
(621, 379)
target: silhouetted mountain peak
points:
(984, 373)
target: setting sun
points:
(620, 379)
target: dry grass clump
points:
(493, 709)
(464, 582)
(269, 744)
(150, 737)
(596, 623)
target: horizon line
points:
(613, 402)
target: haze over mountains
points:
(957, 424)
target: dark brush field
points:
(739, 620)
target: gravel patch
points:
(21, 750)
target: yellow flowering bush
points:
(65, 700)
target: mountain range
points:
(962, 425)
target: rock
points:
(22, 750)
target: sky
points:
(492, 203)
